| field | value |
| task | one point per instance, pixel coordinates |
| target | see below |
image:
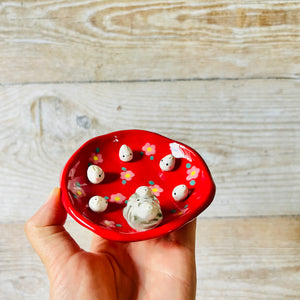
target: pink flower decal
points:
(109, 224)
(180, 211)
(96, 158)
(76, 188)
(118, 198)
(127, 175)
(156, 189)
(149, 149)
(193, 173)
(79, 192)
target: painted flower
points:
(193, 173)
(79, 192)
(96, 158)
(149, 149)
(180, 211)
(118, 198)
(127, 175)
(76, 188)
(109, 224)
(156, 189)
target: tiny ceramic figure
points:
(98, 204)
(180, 192)
(142, 211)
(143, 191)
(125, 153)
(167, 163)
(95, 174)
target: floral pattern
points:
(76, 188)
(193, 173)
(180, 211)
(96, 158)
(127, 175)
(149, 149)
(108, 224)
(80, 192)
(156, 190)
(118, 198)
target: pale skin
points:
(162, 268)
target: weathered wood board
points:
(67, 41)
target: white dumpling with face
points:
(167, 163)
(98, 204)
(125, 153)
(95, 174)
(180, 192)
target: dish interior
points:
(123, 178)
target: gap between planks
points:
(151, 80)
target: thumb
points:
(47, 235)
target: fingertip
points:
(50, 213)
(55, 193)
(46, 233)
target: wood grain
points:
(256, 258)
(63, 41)
(253, 258)
(247, 131)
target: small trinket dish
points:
(142, 175)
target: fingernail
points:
(52, 193)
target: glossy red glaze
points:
(123, 178)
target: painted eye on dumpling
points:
(125, 153)
(95, 174)
(180, 192)
(98, 204)
(167, 163)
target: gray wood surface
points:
(220, 76)
(138, 40)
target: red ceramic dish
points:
(123, 178)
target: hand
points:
(162, 268)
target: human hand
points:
(162, 268)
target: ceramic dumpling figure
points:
(180, 192)
(125, 153)
(144, 191)
(98, 204)
(142, 211)
(95, 174)
(167, 163)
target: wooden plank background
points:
(142, 40)
(220, 76)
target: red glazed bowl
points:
(123, 178)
